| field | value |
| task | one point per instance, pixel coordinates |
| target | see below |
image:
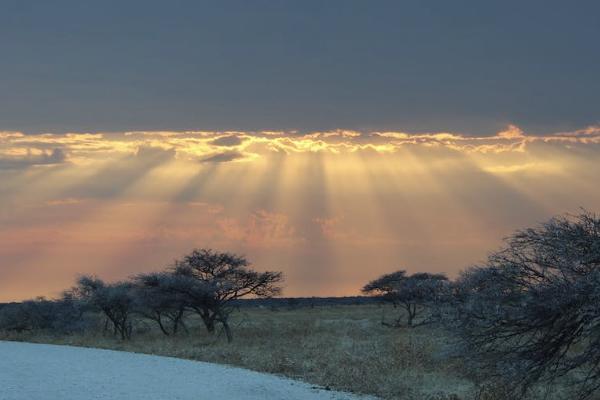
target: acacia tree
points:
(210, 282)
(531, 314)
(114, 300)
(414, 293)
(156, 299)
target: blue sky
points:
(418, 66)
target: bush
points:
(116, 301)
(531, 314)
(59, 316)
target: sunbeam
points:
(330, 209)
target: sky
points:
(334, 141)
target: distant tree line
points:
(529, 315)
(291, 303)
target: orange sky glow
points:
(331, 210)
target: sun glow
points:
(313, 205)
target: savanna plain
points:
(341, 347)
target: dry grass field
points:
(340, 347)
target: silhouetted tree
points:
(157, 299)
(414, 293)
(531, 314)
(114, 300)
(211, 281)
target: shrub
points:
(115, 301)
(58, 316)
(531, 314)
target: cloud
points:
(511, 132)
(154, 153)
(29, 159)
(19, 150)
(261, 229)
(228, 141)
(223, 157)
(64, 202)
(527, 167)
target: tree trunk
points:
(161, 326)
(176, 321)
(412, 312)
(227, 330)
(209, 322)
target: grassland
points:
(340, 347)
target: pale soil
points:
(49, 372)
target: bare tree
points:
(114, 300)
(531, 314)
(414, 293)
(211, 281)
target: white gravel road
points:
(47, 372)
